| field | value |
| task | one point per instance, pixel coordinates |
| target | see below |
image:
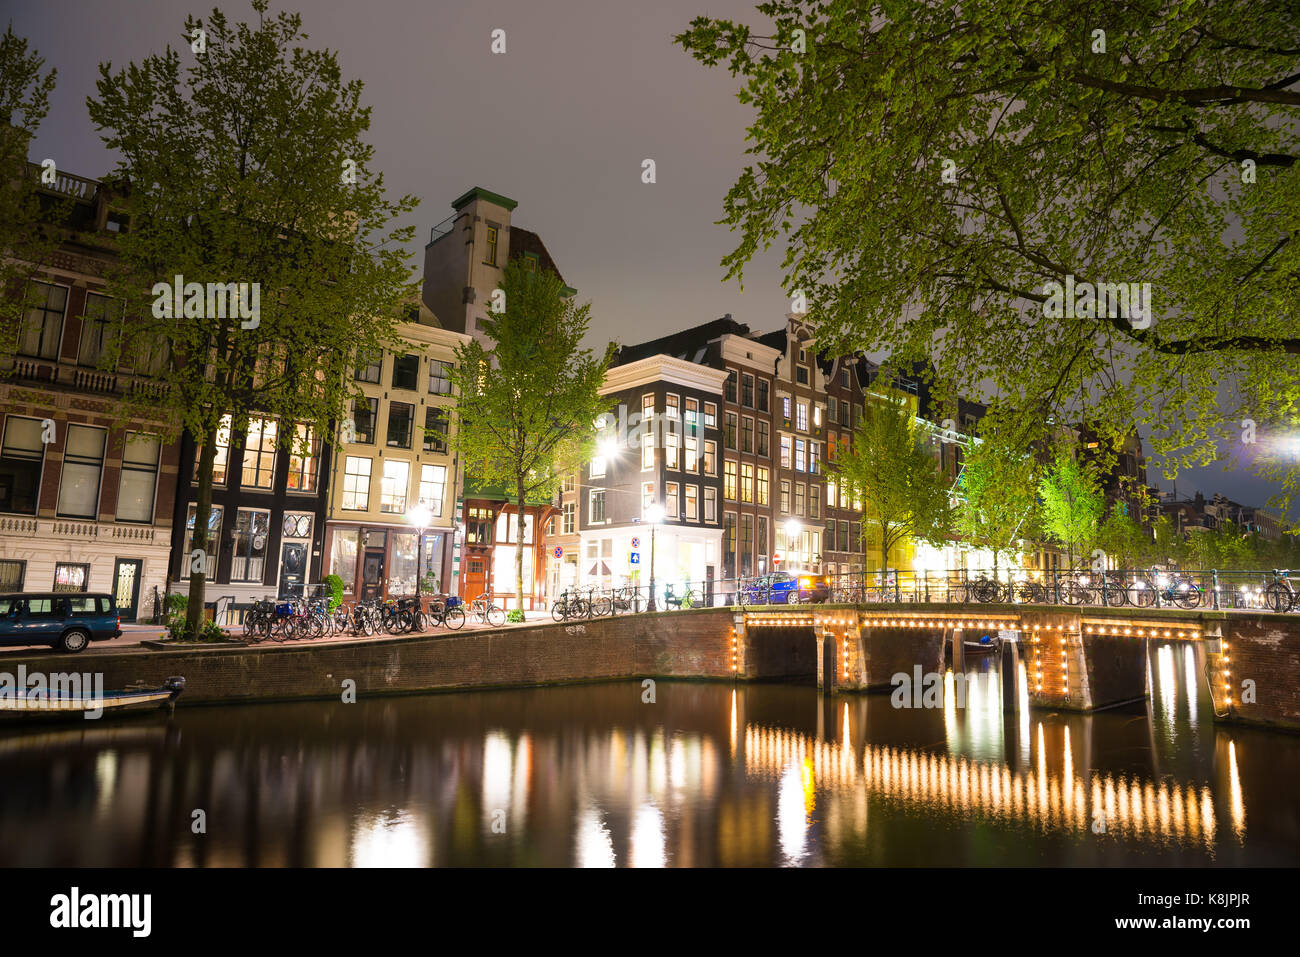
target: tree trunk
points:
(884, 554)
(202, 510)
(519, 547)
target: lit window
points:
(396, 480)
(139, 478)
(356, 483)
(303, 459)
(433, 486)
(251, 533)
(83, 464)
(259, 453)
(439, 377)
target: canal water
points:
(705, 774)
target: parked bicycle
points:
(485, 610)
(1280, 595)
(570, 604)
(446, 610)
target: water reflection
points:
(710, 775)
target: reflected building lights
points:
(1237, 803)
(595, 848)
(1151, 811)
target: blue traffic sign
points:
(636, 558)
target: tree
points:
(941, 174)
(25, 242)
(899, 482)
(1123, 538)
(248, 166)
(527, 406)
(1000, 485)
(1073, 503)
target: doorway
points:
(372, 575)
(126, 587)
(293, 568)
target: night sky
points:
(561, 122)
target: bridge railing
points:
(1137, 588)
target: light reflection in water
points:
(1235, 799)
(595, 846)
(395, 839)
(714, 776)
(983, 789)
(1191, 686)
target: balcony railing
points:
(69, 185)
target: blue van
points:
(68, 621)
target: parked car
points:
(812, 587)
(787, 588)
(62, 620)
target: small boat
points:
(38, 703)
(985, 646)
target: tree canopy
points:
(24, 241)
(904, 494)
(248, 169)
(999, 485)
(527, 405)
(1072, 503)
(941, 173)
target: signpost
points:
(559, 552)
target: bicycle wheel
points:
(1278, 597)
(1141, 594)
(496, 617)
(560, 610)
(454, 617)
(691, 599)
(1189, 598)
(602, 606)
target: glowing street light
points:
(419, 518)
(654, 515)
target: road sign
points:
(559, 552)
(636, 543)
(776, 558)
(636, 558)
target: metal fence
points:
(1214, 589)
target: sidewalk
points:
(133, 634)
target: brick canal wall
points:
(678, 644)
(1265, 651)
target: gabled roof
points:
(689, 344)
(525, 242)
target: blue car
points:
(62, 620)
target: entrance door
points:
(293, 568)
(126, 587)
(372, 575)
(475, 578)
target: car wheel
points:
(75, 640)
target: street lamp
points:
(419, 518)
(654, 515)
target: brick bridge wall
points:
(1263, 649)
